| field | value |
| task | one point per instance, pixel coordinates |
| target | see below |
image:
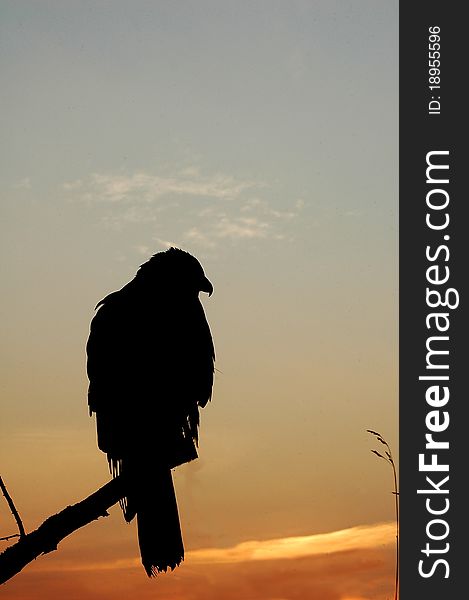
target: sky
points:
(261, 137)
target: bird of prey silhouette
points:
(150, 364)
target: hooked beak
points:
(206, 286)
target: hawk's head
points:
(175, 270)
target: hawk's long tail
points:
(159, 531)
(151, 496)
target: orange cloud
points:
(362, 537)
(355, 538)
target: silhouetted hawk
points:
(150, 366)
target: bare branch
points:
(11, 504)
(54, 529)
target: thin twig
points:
(14, 512)
(9, 537)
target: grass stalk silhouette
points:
(390, 460)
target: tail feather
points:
(151, 497)
(159, 530)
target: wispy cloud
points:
(355, 538)
(229, 227)
(143, 187)
(186, 206)
(242, 227)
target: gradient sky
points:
(262, 137)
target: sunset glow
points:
(262, 138)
